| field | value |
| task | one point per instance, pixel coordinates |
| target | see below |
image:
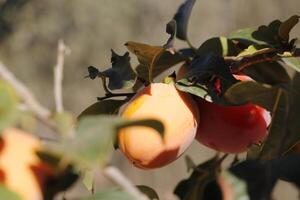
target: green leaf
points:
(293, 125)
(120, 75)
(268, 72)
(254, 50)
(112, 194)
(286, 27)
(88, 179)
(64, 122)
(245, 36)
(153, 60)
(196, 89)
(237, 186)
(110, 106)
(193, 188)
(8, 106)
(272, 146)
(7, 194)
(93, 142)
(182, 17)
(148, 191)
(292, 62)
(252, 92)
(219, 45)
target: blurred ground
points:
(30, 31)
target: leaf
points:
(182, 17)
(201, 71)
(261, 177)
(258, 177)
(88, 179)
(171, 29)
(153, 60)
(110, 106)
(268, 72)
(120, 75)
(252, 92)
(293, 126)
(273, 144)
(5, 193)
(112, 194)
(8, 106)
(149, 192)
(220, 46)
(197, 89)
(269, 33)
(64, 122)
(286, 27)
(254, 50)
(245, 36)
(292, 62)
(237, 186)
(193, 188)
(204, 66)
(92, 144)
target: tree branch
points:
(25, 94)
(117, 177)
(58, 75)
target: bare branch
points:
(25, 94)
(58, 75)
(117, 177)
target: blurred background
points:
(30, 30)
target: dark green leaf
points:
(171, 29)
(258, 178)
(182, 18)
(272, 146)
(8, 106)
(252, 92)
(286, 27)
(292, 62)
(153, 60)
(268, 72)
(262, 177)
(269, 33)
(109, 106)
(219, 45)
(148, 191)
(113, 194)
(194, 187)
(293, 125)
(93, 142)
(200, 72)
(7, 194)
(63, 180)
(120, 75)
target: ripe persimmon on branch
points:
(232, 94)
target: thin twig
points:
(117, 177)
(58, 75)
(25, 94)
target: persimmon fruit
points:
(21, 169)
(144, 146)
(231, 129)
